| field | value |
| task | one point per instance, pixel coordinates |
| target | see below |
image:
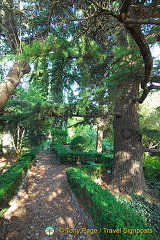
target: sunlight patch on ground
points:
(70, 222)
(69, 208)
(61, 220)
(17, 206)
(9, 235)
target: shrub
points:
(12, 178)
(67, 157)
(151, 166)
(60, 136)
(78, 144)
(105, 210)
(94, 171)
(64, 156)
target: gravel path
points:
(45, 199)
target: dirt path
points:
(45, 199)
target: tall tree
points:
(96, 19)
(100, 20)
(20, 67)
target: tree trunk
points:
(127, 173)
(8, 146)
(20, 67)
(12, 80)
(100, 126)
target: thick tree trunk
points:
(127, 173)
(12, 80)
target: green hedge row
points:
(12, 178)
(113, 219)
(94, 171)
(68, 157)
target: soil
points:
(45, 199)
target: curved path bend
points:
(45, 199)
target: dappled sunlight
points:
(70, 222)
(45, 200)
(58, 176)
(9, 235)
(52, 195)
(140, 192)
(70, 208)
(61, 220)
(17, 206)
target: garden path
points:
(45, 199)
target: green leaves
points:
(11, 179)
(105, 210)
(151, 165)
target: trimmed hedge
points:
(67, 157)
(94, 171)
(78, 144)
(106, 211)
(12, 178)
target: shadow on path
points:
(45, 199)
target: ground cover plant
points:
(106, 211)
(148, 210)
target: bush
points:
(94, 171)
(106, 211)
(60, 136)
(151, 166)
(12, 178)
(67, 157)
(78, 144)
(64, 156)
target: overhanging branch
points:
(151, 150)
(117, 114)
(155, 79)
(146, 91)
(142, 21)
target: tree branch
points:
(151, 150)
(50, 14)
(153, 87)
(125, 7)
(142, 21)
(155, 79)
(117, 114)
(145, 93)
